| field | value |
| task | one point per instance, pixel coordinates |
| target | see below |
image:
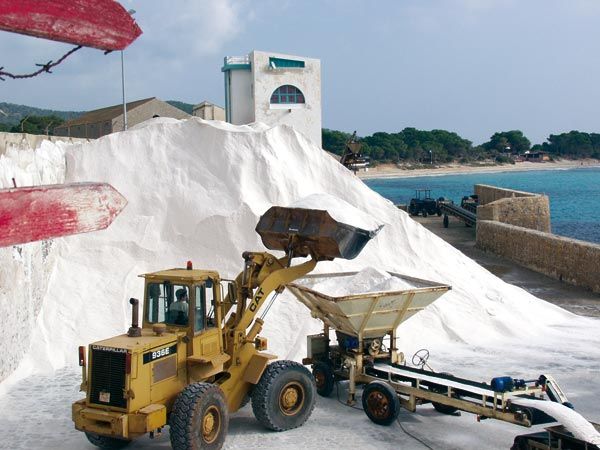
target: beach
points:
(394, 171)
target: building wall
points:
(305, 118)
(208, 111)
(569, 260)
(239, 96)
(147, 111)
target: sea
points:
(574, 194)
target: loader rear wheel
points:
(381, 403)
(199, 419)
(106, 442)
(324, 378)
(284, 398)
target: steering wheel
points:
(420, 358)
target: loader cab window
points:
(205, 306)
(168, 303)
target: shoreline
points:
(393, 171)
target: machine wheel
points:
(324, 378)
(443, 409)
(106, 442)
(380, 402)
(284, 398)
(199, 419)
(446, 221)
(424, 213)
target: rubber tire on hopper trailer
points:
(106, 442)
(380, 402)
(443, 409)
(199, 405)
(324, 378)
(284, 397)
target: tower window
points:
(287, 94)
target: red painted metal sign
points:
(102, 24)
(44, 212)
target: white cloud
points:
(188, 27)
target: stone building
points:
(109, 120)
(275, 89)
(209, 111)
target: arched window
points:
(287, 94)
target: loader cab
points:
(184, 300)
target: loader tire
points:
(106, 442)
(324, 378)
(380, 402)
(199, 419)
(284, 398)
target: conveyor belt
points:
(450, 209)
(481, 389)
(461, 386)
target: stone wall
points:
(569, 260)
(488, 194)
(523, 209)
(25, 140)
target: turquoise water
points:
(574, 194)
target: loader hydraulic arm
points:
(263, 273)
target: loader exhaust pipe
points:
(135, 330)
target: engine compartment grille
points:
(107, 382)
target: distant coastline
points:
(393, 171)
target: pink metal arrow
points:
(44, 212)
(102, 24)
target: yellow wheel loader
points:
(197, 356)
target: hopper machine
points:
(366, 353)
(362, 321)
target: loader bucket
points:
(311, 232)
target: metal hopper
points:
(366, 315)
(311, 232)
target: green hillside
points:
(11, 114)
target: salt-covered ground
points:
(195, 191)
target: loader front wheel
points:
(199, 419)
(380, 402)
(284, 398)
(106, 442)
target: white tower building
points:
(275, 89)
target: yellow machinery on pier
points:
(197, 356)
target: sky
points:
(470, 66)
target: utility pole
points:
(131, 12)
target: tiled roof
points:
(104, 114)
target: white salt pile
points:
(195, 191)
(368, 280)
(571, 419)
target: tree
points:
(574, 144)
(335, 141)
(508, 141)
(38, 125)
